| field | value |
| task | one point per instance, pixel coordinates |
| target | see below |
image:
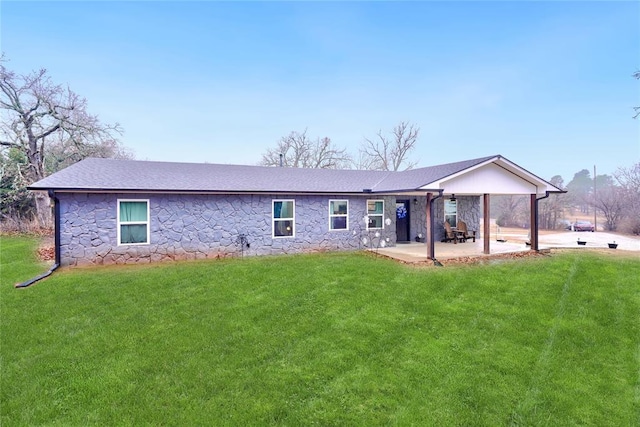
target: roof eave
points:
(191, 191)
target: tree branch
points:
(9, 144)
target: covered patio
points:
(513, 241)
(479, 181)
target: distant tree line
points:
(386, 151)
(615, 200)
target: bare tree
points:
(629, 177)
(510, 210)
(36, 113)
(551, 208)
(61, 154)
(390, 153)
(300, 151)
(610, 202)
(629, 182)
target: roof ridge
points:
(479, 160)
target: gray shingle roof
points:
(416, 178)
(95, 174)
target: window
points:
(338, 214)
(375, 214)
(283, 218)
(451, 212)
(133, 222)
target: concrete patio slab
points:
(417, 252)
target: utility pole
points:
(595, 201)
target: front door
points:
(402, 221)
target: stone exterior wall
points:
(468, 211)
(209, 226)
(418, 218)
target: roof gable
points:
(474, 182)
(504, 176)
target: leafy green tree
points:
(16, 204)
(579, 190)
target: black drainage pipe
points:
(38, 278)
(56, 232)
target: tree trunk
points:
(43, 209)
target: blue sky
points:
(546, 84)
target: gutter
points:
(546, 194)
(533, 240)
(56, 232)
(536, 245)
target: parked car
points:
(583, 226)
(565, 224)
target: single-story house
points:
(125, 211)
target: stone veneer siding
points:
(418, 218)
(208, 226)
(469, 211)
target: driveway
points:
(599, 239)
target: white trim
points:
(376, 214)
(147, 222)
(292, 218)
(332, 215)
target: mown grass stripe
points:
(528, 405)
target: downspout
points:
(56, 239)
(432, 242)
(537, 226)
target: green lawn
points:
(328, 339)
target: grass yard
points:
(326, 339)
